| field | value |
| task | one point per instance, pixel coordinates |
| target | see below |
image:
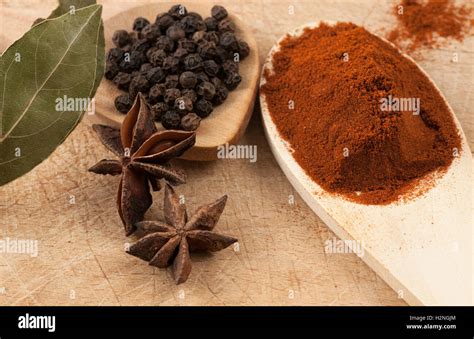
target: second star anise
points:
(143, 160)
(171, 241)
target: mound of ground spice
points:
(421, 23)
(325, 96)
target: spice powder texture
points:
(421, 23)
(324, 95)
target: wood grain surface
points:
(281, 258)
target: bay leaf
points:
(59, 58)
(64, 6)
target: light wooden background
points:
(281, 258)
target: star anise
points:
(171, 241)
(143, 156)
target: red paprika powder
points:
(420, 23)
(325, 96)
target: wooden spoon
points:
(227, 122)
(423, 247)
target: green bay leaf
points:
(59, 57)
(64, 6)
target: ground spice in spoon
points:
(325, 98)
(421, 23)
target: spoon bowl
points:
(227, 122)
(421, 247)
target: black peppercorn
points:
(203, 108)
(183, 105)
(127, 48)
(206, 90)
(144, 68)
(226, 25)
(211, 68)
(123, 103)
(189, 24)
(140, 23)
(229, 41)
(201, 25)
(190, 122)
(194, 14)
(216, 82)
(220, 96)
(150, 32)
(121, 38)
(175, 33)
(133, 36)
(171, 94)
(138, 84)
(178, 11)
(212, 37)
(201, 77)
(141, 45)
(155, 75)
(222, 54)
(115, 55)
(157, 93)
(122, 80)
(188, 79)
(132, 61)
(150, 51)
(218, 12)
(180, 53)
(159, 109)
(199, 36)
(232, 80)
(230, 66)
(192, 62)
(157, 57)
(171, 81)
(244, 49)
(164, 21)
(111, 70)
(206, 49)
(188, 44)
(211, 24)
(171, 120)
(189, 93)
(170, 64)
(165, 43)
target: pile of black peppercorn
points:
(183, 64)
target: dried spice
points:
(328, 108)
(140, 23)
(159, 110)
(32, 125)
(421, 23)
(171, 119)
(169, 242)
(190, 122)
(122, 80)
(144, 156)
(181, 51)
(121, 38)
(123, 103)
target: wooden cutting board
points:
(282, 257)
